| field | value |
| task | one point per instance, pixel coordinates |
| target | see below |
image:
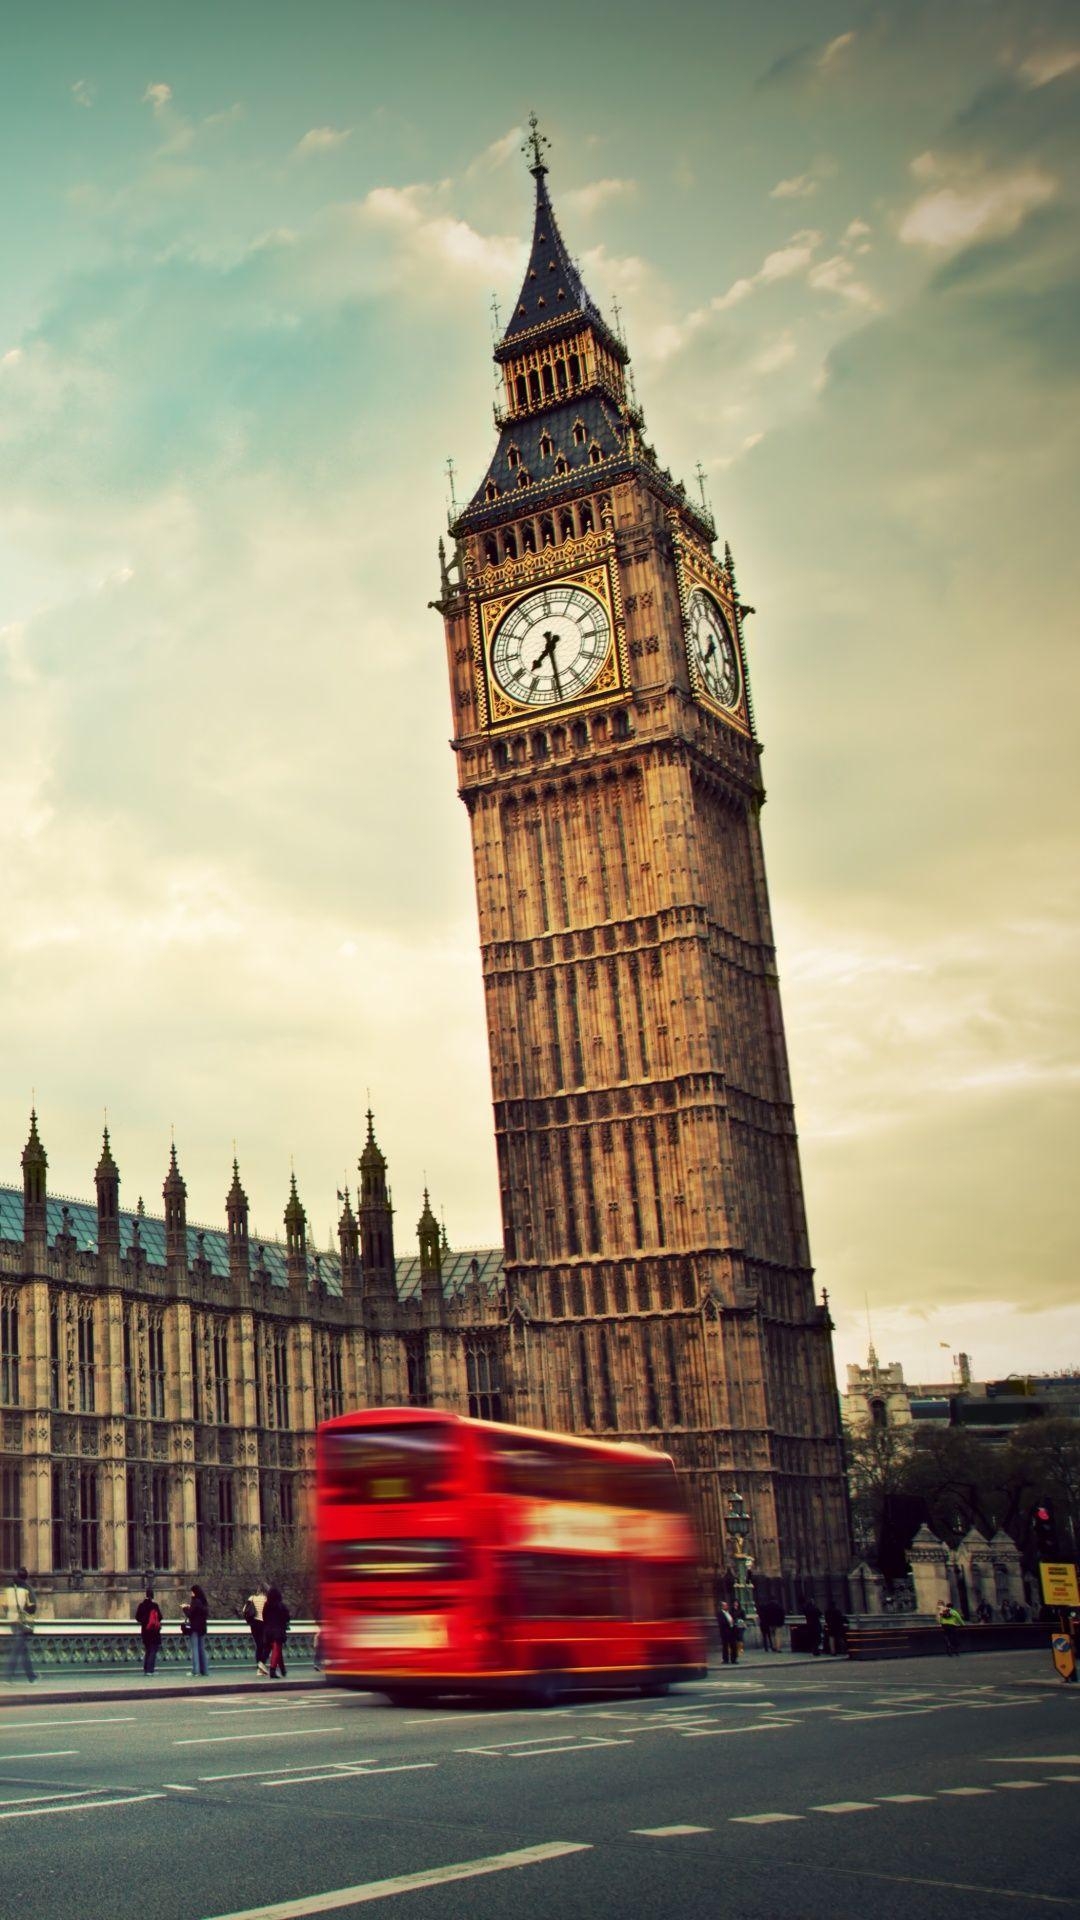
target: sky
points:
(245, 321)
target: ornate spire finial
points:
(535, 145)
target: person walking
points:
(20, 1605)
(197, 1612)
(148, 1615)
(949, 1620)
(253, 1614)
(276, 1618)
(835, 1629)
(812, 1616)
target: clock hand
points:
(710, 649)
(547, 653)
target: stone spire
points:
(349, 1241)
(34, 1164)
(376, 1220)
(236, 1215)
(174, 1194)
(296, 1238)
(427, 1229)
(107, 1183)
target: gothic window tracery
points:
(483, 1377)
(9, 1348)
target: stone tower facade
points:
(658, 1266)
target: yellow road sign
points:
(1061, 1647)
(1059, 1584)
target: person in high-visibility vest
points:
(949, 1620)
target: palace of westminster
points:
(160, 1386)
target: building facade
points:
(160, 1384)
(658, 1270)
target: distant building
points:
(879, 1396)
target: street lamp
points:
(737, 1524)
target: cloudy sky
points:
(249, 254)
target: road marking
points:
(1035, 1760)
(1018, 1786)
(84, 1806)
(582, 1746)
(1071, 1779)
(352, 1773)
(177, 1786)
(903, 1799)
(761, 1819)
(966, 1793)
(957, 1886)
(845, 1806)
(308, 1769)
(65, 1793)
(31, 1727)
(228, 1739)
(261, 1706)
(57, 1753)
(758, 1726)
(667, 1833)
(408, 1882)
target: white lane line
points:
(31, 1727)
(667, 1833)
(583, 1746)
(57, 1753)
(229, 1739)
(408, 1882)
(966, 1793)
(1019, 1786)
(66, 1793)
(177, 1786)
(1034, 1760)
(84, 1806)
(1069, 1779)
(728, 1733)
(440, 1719)
(845, 1806)
(290, 1706)
(903, 1799)
(761, 1819)
(352, 1773)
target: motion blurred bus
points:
(463, 1556)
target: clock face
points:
(551, 646)
(712, 649)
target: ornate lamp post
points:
(737, 1525)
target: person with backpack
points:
(276, 1618)
(148, 1615)
(20, 1605)
(253, 1614)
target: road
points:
(921, 1788)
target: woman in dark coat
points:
(275, 1626)
(197, 1612)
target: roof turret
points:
(552, 288)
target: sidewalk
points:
(70, 1688)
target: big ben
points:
(658, 1266)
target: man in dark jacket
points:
(275, 1626)
(812, 1616)
(148, 1615)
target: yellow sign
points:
(1064, 1658)
(1059, 1585)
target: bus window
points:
(391, 1463)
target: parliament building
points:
(160, 1384)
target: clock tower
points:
(658, 1264)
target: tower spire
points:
(534, 147)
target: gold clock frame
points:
(497, 708)
(694, 567)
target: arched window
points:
(560, 464)
(566, 521)
(595, 455)
(547, 531)
(513, 456)
(534, 387)
(586, 519)
(521, 390)
(547, 446)
(528, 539)
(510, 551)
(879, 1413)
(579, 433)
(491, 491)
(575, 370)
(491, 551)
(560, 375)
(523, 477)
(549, 383)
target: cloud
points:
(496, 155)
(778, 265)
(321, 140)
(810, 62)
(779, 353)
(799, 188)
(972, 202)
(837, 275)
(427, 238)
(159, 94)
(84, 93)
(1048, 63)
(587, 200)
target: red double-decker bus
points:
(464, 1556)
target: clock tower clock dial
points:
(551, 646)
(658, 1284)
(713, 653)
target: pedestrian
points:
(197, 1614)
(20, 1605)
(253, 1614)
(812, 1616)
(949, 1620)
(738, 1614)
(729, 1639)
(148, 1615)
(835, 1629)
(276, 1618)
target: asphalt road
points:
(924, 1789)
